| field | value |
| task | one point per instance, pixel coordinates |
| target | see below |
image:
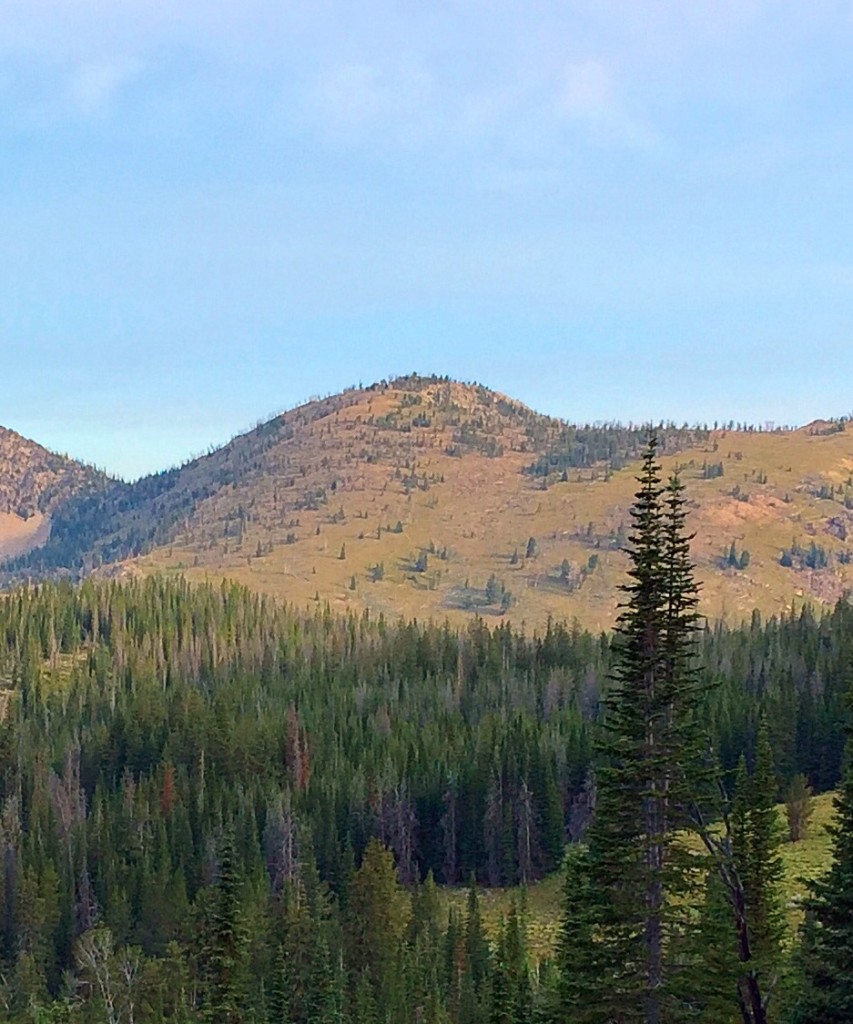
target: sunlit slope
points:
(408, 499)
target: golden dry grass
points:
(482, 509)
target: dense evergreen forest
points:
(215, 807)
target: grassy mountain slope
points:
(408, 498)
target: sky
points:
(213, 210)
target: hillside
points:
(429, 498)
(34, 482)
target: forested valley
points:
(215, 807)
(426, 512)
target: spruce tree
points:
(374, 923)
(716, 996)
(224, 950)
(511, 995)
(645, 782)
(756, 840)
(579, 975)
(304, 985)
(478, 966)
(798, 808)
(424, 944)
(826, 955)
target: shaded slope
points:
(34, 480)
(34, 484)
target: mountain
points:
(430, 498)
(34, 483)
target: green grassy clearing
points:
(803, 862)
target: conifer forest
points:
(215, 807)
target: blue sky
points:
(214, 209)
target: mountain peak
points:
(429, 497)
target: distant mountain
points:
(34, 482)
(430, 498)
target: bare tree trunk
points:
(654, 825)
(654, 910)
(492, 828)
(525, 828)
(753, 998)
(448, 825)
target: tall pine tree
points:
(645, 782)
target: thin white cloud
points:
(587, 95)
(93, 86)
(587, 90)
(351, 97)
(350, 94)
